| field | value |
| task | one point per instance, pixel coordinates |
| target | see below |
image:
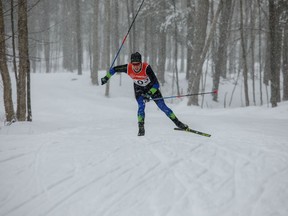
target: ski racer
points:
(146, 87)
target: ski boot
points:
(179, 124)
(141, 131)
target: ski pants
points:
(160, 103)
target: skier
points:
(146, 87)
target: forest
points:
(239, 40)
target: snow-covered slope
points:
(81, 156)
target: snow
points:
(81, 156)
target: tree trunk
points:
(190, 38)
(201, 21)
(115, 31)
(46, 34)
(79, 38)
(162, 48)
(221, 56)
(24, 63)
(133, 38)
(194, 80)
(176, 51)
(68, 39)
(285, 64)
(29, 105)
(95, 70)
(244, 55)
(107, 41)
(260, 53)
(267, 66)
(182, 64)
(7, 90)
(131, 48)
(13, 41)
(146, 29)
(275, 35)
(252, 47)
(154, 45)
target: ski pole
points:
(113, 62)
(187, 95)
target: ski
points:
(193, 131)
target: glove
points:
(104, 80)
(147, 97)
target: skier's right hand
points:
(146, 97)
(104, 80)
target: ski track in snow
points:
(99, 167)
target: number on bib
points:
(142, 82)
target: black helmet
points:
(136, 57)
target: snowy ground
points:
(81, 157)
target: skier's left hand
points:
(104, 80)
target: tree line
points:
(238, 39)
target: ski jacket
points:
(144, 80)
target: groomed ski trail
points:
(82, 156)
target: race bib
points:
(143, 83)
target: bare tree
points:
(7, 94)
(46, 33)
(79, 38)
(107, 41)
(146, 29)
(176, 51)
(285, 64)
(252, 48)
(260, 52)
(201, 21)
(221, 56)
(162, 46)
(13, 40)
(284, 5)
(275, 50)
(244, 55)
(24, 63)
(116, 22)
(130, 14)
(94, 74)
(68, 39)
(194, 80)
(190, 37)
